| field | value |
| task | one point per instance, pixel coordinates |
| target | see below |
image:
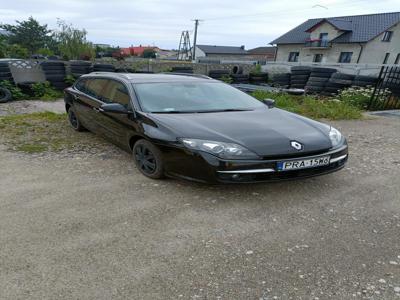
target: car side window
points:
(116, 92)
(95, 87)
(81, 85)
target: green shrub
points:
(226, 79)
(16, 92)
(70, 80)
(257, 69)
(44, 91)
(312, 107)
(357, 96)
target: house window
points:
(323, 39)
(397, 61)
(385, 60)
(318, 58)
(387, 36)
(294, 56)
(345, 57)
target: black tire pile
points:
(338, 82)
(5, 73)
(240, 78)
(186, 70)
(79, 68)
(103, 68)
(218, 74)
(318, 79)
(281, 80)
(257, 78)
(26, 87)
(5, 95)
(364, 81)
(299, 77)
(54, 72)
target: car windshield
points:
(187, 97)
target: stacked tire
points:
(299, 77)
(364, 81)
(5, 73)
(54, 72)
(103, 68)
(80, 67)
(186, 70)
(240, 78)
(318, 79)
(338, 82)
(257, 78)
(281, 80)
(218, 74)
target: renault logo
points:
(296, 145)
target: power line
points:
(346, 3)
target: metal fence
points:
(386, 94)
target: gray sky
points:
(160, 22)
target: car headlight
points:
(220, 149)
(335, 136)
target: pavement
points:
(89, 226)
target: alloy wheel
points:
(73, 119)
(145, 159)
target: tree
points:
(149, 53)
(28, 34)
(72, 42)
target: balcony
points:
(317, 44)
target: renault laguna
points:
(197, 128)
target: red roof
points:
(136, 51)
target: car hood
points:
(267, 132)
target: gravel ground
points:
(89, 226)
(30, 106)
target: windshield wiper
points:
(224, 110)
(197, 111)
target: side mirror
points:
(269, 102)
(115, 108)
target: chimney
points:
(242, 47)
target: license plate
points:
(303, 163)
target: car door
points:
(118, 127)
(88, 100)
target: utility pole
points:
(196, 24)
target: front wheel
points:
(148, 159)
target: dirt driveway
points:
(89, 226)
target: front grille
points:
(294, 155)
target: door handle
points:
(98, 109)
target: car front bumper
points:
(204, 167)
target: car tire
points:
(323, 70)
(148, 159)
(5, 95)
(74, 121)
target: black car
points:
(197, 128)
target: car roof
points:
(151, 78)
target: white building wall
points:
(199, 53)
(375, 50)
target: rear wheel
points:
(148, 159)
(74, 121)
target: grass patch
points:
(43, 132)
(313, 107)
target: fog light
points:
(235, 176)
